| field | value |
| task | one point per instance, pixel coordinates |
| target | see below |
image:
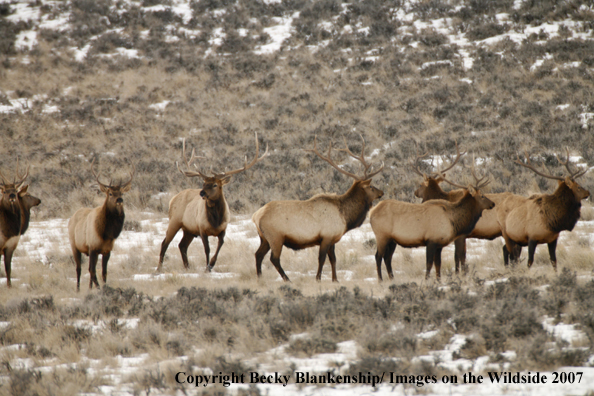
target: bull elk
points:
(486, 228)
(541, 218)
(433, 224)
(202, 212)
(320, 221)
(11, 222)
(94, 231)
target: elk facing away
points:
(486, 228)
(320, 221)
(11, 221)
(202, 212)
(94, 231)
(433, 224)
(540, 218)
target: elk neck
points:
(10, 220)
(215, 210)
(109, 222)
(353, 206)
(561, 210)
(465, 214)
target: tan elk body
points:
(433, 224)
(319, 221)
(203, 212)
(541, 218)
(93, 232)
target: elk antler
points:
(479, 183)
(246, 166)
(20, 179)
(458, 156)
(121, 185)
(414, 165)
(572, 175)
(189, 173)
(96, 175)
(529, 165)
(360, 158)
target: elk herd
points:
(440, 219)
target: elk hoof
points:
(208, 268)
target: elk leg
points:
(77, 259)
(430, 254)
(260, 253)
(275, 259)
(505, 256)
(104, 260)
(183, 248)
(437, 261)
(531, 250)
(552, 253)
(332, 257)
(169, 235)
(206, 245)
(379, 256)
(7, 265)
(219, 245)
(388, 258)
(321, 260)
(460, 254)
(93, 257)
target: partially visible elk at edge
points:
(320, 221)
(541, 218)
(94, 231)
(487, 226)
(433, 224)
(11, 218)
(202, 212)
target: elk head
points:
(578, 191)
(212, 189)
(429, 188)
(11, 191)
(114, 193)
(362, 182)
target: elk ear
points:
(439, 179)
(225, 180)
(125, 188)
(365, 183)
(23, 190)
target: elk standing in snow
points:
(11, 222)
(486, 228)
(202, 212)
(433, 224)
(320, 221)
(540, 218)
(94, 231)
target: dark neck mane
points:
(465, 214)
(109, 223)
(353, 206)
(215, 211)
(560, 209)
(10, 220)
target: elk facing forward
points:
(319, 221)
(203, 212)
(540, 218)
(433, 224)
(487, 226)
(10, 219)
(94, 231)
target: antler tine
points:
(246, 165)
(479, 181)
(528, 165)
(566, 163)
(458, 156)
(193, 156)
(131, 177)
(95, 173)
(4, 179)
(360, 158)
(369, 176)
(414, 165)
(442, 175)
(329, 160)
(20, 179)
